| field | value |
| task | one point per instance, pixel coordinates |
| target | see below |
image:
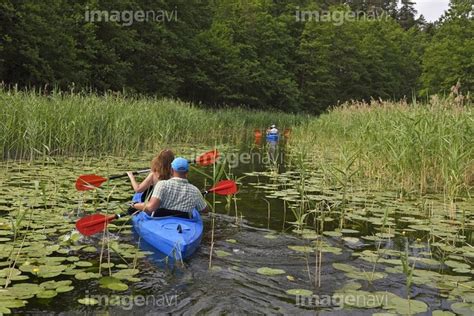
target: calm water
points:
(261, 235)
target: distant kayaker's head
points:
(161, 164)
(180, 167)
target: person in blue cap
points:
(174, 197)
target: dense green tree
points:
(449, 56)
(257, 53)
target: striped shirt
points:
(178, 194)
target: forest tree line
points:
(256, 53)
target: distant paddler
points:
(272, 133)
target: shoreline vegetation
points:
(35, 125)
(413, 147)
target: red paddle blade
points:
(93, 224)
(224, 187)
(88, 182)
(208, 158)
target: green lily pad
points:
(463, 308)
(117, 286)
(88, 301)
(12, 303)
(64, 288)
(47, 294)
(456, 264)
(222, 253)
(304, 249)
(107, 265)
(300, 292)
(90, 249)
(270, 271)
(86, 275)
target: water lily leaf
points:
(456, 264)
(64, 289)
(90, 249)
(300, 292)
(270, 271)
(222, 253)
(8, 272)
(107, 265)
(404, 306)
(83, 264)
(333, 233)
(232, 241)
(12, 303)
(88, 301)
(86, 275)
(47, 294)
(344, 267)
(108, 280)
(117, 286)
(304, 249)
(73, 258)
(463, 308)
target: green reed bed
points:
(412, 147)
(32, 124)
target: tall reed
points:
(32, 124)
(413, 147)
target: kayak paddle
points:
(96, 223)
(90, 181)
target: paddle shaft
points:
(138, 172)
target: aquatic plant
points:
(35, 125)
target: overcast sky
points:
(431, 9)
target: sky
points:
(431, 9)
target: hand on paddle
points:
(91, 181)
(96, 223)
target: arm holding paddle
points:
(145, 184)
(91, 181)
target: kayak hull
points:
(175, 237)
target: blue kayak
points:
(176, 237)
(272, 137)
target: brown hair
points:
(161, 164)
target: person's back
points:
(272, 130)
(174, 197)
(177, 194)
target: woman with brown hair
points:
(160, 170)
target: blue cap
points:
(180, 164)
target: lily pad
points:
(222, 253)
(270, 271)
(300, 292)
(47, 294)
(88, 301)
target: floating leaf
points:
(222, 253)
(305, 249)
(88, 301)
(300, 292)
(117, 286)
(270, 271)
(47, 294)
(65, 288)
